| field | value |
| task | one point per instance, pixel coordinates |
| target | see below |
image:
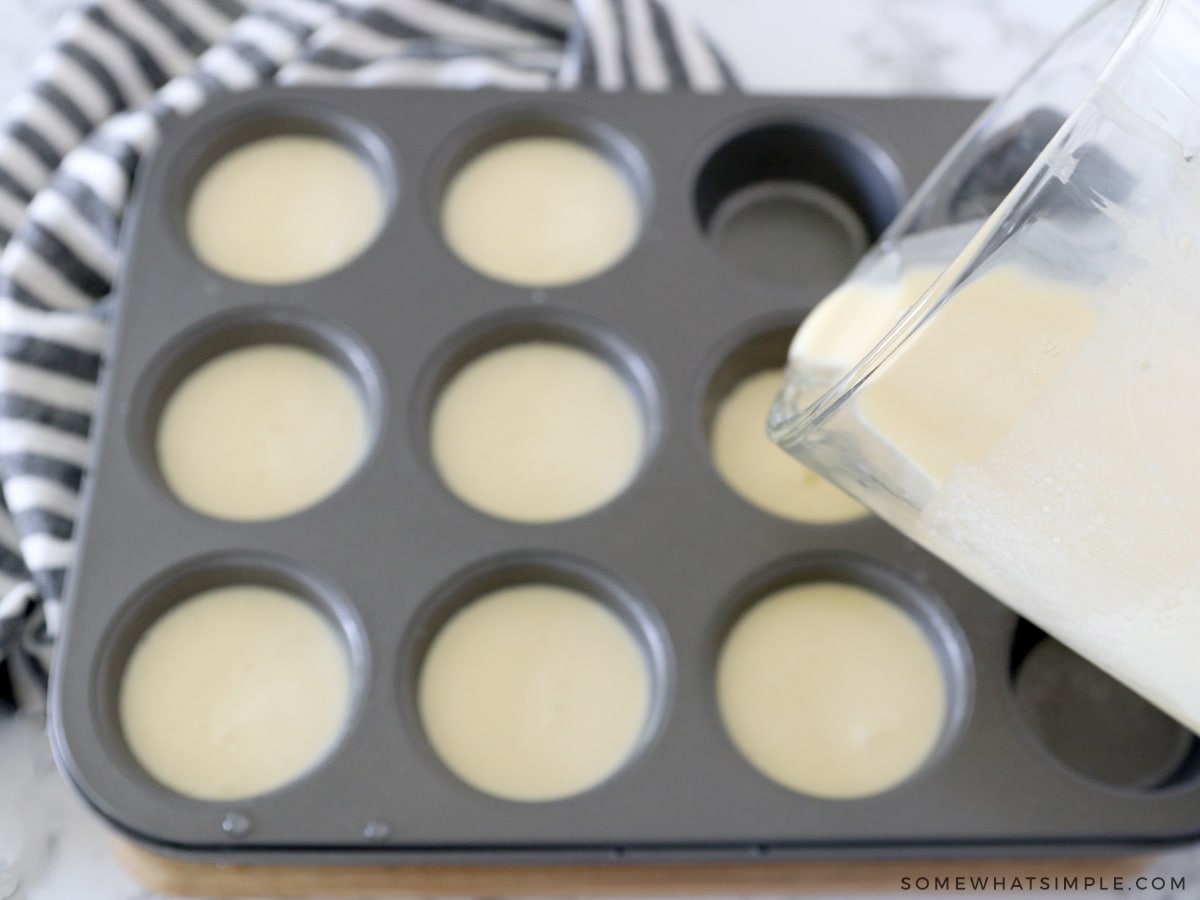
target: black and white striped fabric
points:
(69, 150)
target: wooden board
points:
(192, 879)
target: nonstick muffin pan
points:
(749, 210)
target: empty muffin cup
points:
(540, 423)
(285, 208)
(535, 691)
(796, 203)
(542, 204)
(1093, 724)
(235, 691)
(833, 690)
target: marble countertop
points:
(51, 847)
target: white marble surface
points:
(51, 847)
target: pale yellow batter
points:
(540, 211)
(534, 692)
(759, 470)
(975, 368)
(537, 432)
(284, 209)
(1055, 426)
(234, 692)
(261, 432)
(831, 690)
(848, 323)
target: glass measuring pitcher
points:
(1012, 375)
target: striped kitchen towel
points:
(69, 150)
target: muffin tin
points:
(752, 210)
